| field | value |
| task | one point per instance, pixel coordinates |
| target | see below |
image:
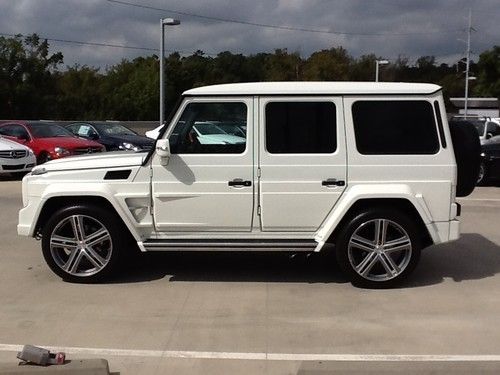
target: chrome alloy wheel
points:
(379, 250)
(81, 245)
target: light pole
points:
(377, 63)
(164, 22)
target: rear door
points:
(302, 161)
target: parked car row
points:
(27, 143)
(24, 144)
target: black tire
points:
(349, 255)
(43, 158)
(112, 252)
(18, 175)
(467, 150)
(482, 178)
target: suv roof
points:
(315, 88)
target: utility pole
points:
(469, 31)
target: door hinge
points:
(259, 172)
(258, 210)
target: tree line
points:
(35, 84)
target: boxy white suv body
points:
(367, 167)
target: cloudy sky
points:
(388, 28)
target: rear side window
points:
(301, 127)
(386, 127)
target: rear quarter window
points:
(384, 127)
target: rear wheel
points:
(378, 248)
(83, 243)
(467, 150)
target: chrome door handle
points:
(238, 182)
(333, 182)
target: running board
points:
(230, 245)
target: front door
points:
(208, 184)
(302, 161)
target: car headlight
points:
(61, 151)
(128, 147)
(30, 152)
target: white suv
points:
(366, 167)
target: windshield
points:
(48, 130)
(208, 128)
(113, 129)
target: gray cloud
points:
(431, 21)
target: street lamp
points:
(164, 22)
(379, 62)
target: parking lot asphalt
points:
(254, 314)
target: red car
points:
(48, 140)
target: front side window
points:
(202, 129)
(301, 127)
(390, 127)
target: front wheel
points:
(82, 243)
(378, 248)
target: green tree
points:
(79, 95)
(488, 67)
(328, 65)
(27, 77)
(282, 66)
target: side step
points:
(230, 245)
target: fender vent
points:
(117, 175)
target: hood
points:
(7, 145)
(137, 140)
(94, 161)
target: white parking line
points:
(479, 199)
(102, 352)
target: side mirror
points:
(23, 138)
(163, 150)
(489, 135)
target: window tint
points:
(48, 130)
(301, 127)
(395, 127)
(201, 129)
(14, 131)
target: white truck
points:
(366, 167)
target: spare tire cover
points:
(467, 154)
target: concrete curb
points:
(73, 367)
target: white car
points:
(15, 158)
(206, 133)
(366, 167)
(154, 133)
